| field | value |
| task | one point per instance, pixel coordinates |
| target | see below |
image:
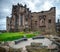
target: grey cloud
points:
(3, 24)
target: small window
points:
(49, 21)
(35, 22)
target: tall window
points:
(16, 22)
(26, 19)
(21, 20)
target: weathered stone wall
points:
(44, 21)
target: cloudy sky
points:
(34, 5)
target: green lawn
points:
(16, 35)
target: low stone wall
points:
(7, 43)
(9, 49)
(33, 44)
(15, 50)
(38, 47)
(4, 48)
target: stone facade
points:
(23, 19)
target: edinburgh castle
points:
(23, 19)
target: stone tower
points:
(20, 19)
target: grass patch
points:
(10, 36)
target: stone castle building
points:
(23, 19)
